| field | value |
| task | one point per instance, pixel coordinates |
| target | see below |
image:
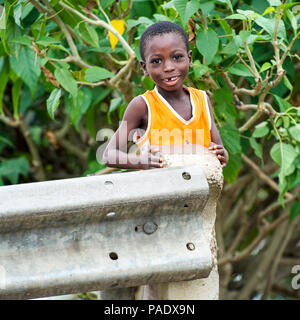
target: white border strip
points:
(174, 112)
(149, 121)
(207, 109)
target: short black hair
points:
(159, 28)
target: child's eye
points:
(178, 56)
(156, 60)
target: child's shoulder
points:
(137, 103)
(136, 109)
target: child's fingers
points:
(156, 161)
(154, 149)
(215, 147)
(221, 158)
(218, 151)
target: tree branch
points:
(263, 176)
(278, 255)
(103, 24)
(37, 162)
(54, 17)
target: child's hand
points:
(151, 160)
(221, 153)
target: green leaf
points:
(261, 130)
(95, 74)
(58, 47)
(89, 34)
(244, 35)
(13, 168)
(27, 66)
(25, 40)
(284, 155)
(228, 2)
(53, 102)
(250, 14)
(288, 84)
(46, 41)
(36, 133)
(18, 13)
(265, 67)
(237, 16)
(90, 122)
(114, 104)
(295, 210)
(230, 49)
(257, 148)
(283, 105)
(231, 140)
(240, 70)
(224, 105)
(3, 18)
(6, 141)
(199, 69)
(207, 43)
(77, 106)
(207, 7)
(269, 25)
(296, 180)
(232, 168)
(293, 20)
(3, 82)
(65, 78)
(186, 9)
(295, 132)
(16, 96)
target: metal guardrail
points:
(103, 232)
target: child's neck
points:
(171, 95)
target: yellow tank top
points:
(167, 127)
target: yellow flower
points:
(119, 26)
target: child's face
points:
(167, 61)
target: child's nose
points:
(168, 66)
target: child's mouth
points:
(171, 80)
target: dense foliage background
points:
(69, 68)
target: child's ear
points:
(143, 64)
(190, 55)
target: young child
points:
(171, 112)
(167, 115)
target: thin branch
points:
(9, 122)
(36, 159)
(275, 45)
(278, 257)
(240, 91)
(286, 291)
(51, 12)
(252, 121)
(263, 176)
(122, 72)
(245, 64)
(252, 63)
(274, 206)
(263, 232)
(289, 48)
(103, 24)
(128, 9)
(94, 84)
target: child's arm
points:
(115, 154)
(216, 143)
